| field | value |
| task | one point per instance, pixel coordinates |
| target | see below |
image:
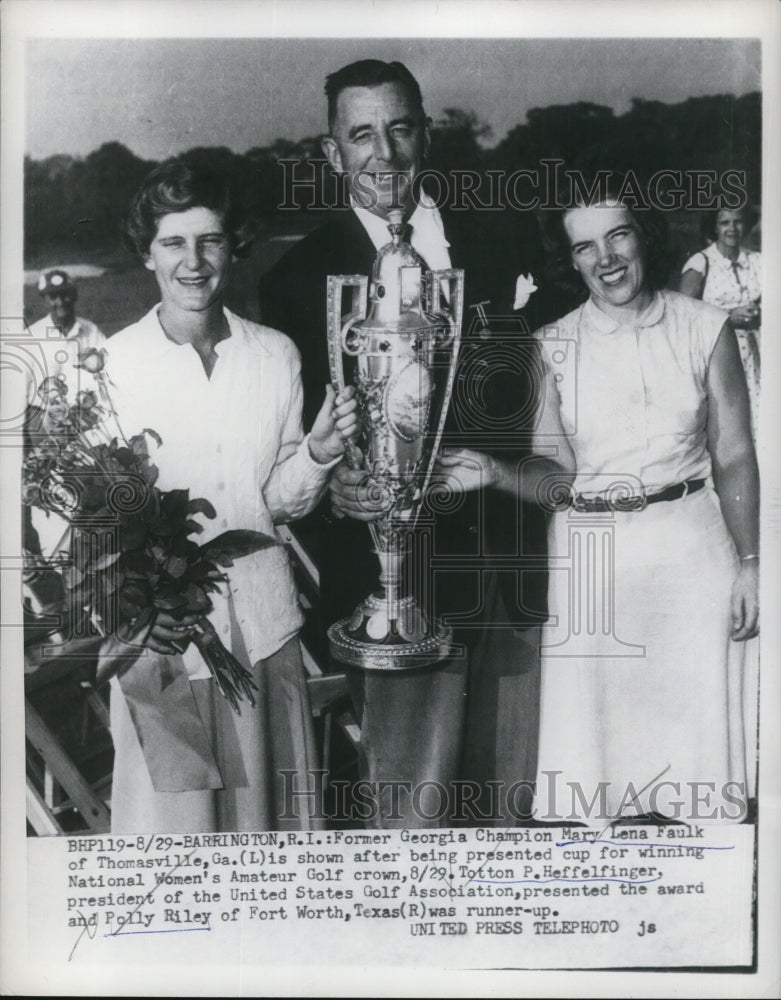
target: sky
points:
(162, 96)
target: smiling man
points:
(421, 727)
(61, 323)
(379, 138)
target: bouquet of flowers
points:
(129, 550)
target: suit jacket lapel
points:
(358, 251)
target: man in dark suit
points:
(459, 719)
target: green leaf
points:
(173, 506)
(161, 526)
(153, 434)
(197, 599)
(105, 561)
(173, 500)
(136, 592)
(201, 506)
(127, 609)
(72, 577)
(236, 543)
(133, 535)
(149, 473)
(139, 561)
(176, 566)
(182, 545)
(139, 447)
(169, 602)
(160, 554)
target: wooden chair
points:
(58, 788)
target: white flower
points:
(56, 279)
(42, 283)
(524, 287)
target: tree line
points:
(76, 205)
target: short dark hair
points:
(177, 185)
(650, 222)
(370, 73)
(710, 216)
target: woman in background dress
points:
(729, 276)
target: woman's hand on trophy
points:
(335, 425)
(355, 494)
(462, 470)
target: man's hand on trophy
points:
(462, 470)
(355, 494)
(335, 425)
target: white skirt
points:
(642, 687)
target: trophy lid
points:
(398, 252)
(397, 280)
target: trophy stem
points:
(391, 560)
(389, 630)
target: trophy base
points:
(374, 640)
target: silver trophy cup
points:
(402, 338)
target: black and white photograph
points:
(389, 484)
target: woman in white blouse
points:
(225, 397)
(653, 572)
(730, 276)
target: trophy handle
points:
(453, 307)
(452, 311)
(338, 328)
(339, 325)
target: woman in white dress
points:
(730, 277)
(654, 573)
(225, 397)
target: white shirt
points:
(428, 232)
(234, 438)
(52, 354)
(633, 397)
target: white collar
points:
(603, 323)
(741, 261)
(155, 342)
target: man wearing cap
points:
(62, 324)
(442, 723)
(58, 339)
